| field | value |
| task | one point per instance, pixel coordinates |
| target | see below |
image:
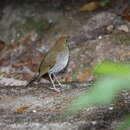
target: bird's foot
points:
(55, 89)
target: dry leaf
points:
(11, 81)
(25, 76)
(2, 45)
(84, 75)
(65, 79)
(24, 39)
(122, 56)
(126, 13)
(21, 109)
(90, 6)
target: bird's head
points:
(64, 39)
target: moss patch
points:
(122, 38)
(31, 23)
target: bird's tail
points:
(36, 77)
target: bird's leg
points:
(57, 80)
(54, 87)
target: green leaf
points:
(104, 2)
(124, 125)
(113, 69)
(103, 92)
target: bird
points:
(55, 60)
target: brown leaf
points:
(122, 56)
(90, 6)
(24, 39)
(126, 13)
(2, 45)
(65, 79)
(4, 61)
(84, 75)
(21, 109)
(25, 76)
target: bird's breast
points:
(61, 61)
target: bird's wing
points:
(47, 63)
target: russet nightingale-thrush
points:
(54, 61)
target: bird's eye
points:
(66, 40)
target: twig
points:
(65, 85)
(10, 82)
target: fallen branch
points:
(10, 82)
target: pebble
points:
(34, 111)
(123, 28)
(94, 122)
(100, 37)
(110, 27)
(110, 108)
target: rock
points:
(93, 27)
(99, 20)
(123, 28)
(110, 28)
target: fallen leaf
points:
(25, 76)
(126, 13)
(2, 45)
(84, 75)
(4, 61)
(21, 109)
(122, 56)
(90, 6)
(24, 39)
(65, 79)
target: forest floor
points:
(29, 30)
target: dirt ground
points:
(27, 31)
